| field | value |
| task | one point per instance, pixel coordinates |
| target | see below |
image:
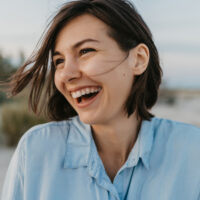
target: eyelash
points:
(86, 50)
(81, 52)
(58, 61)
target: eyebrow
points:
(78, 44)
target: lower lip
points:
(88, 102)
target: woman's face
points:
(92, 72)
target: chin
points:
(90, 119)
(87, 119)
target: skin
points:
(113, 133)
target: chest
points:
(111, 166)
(91, 183)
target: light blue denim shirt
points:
(59, 161)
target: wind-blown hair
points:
(127, 28)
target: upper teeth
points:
(84, 91)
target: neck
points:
(117, 138)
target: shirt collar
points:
(143, 145)
(80, 146)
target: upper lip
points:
(74, 89)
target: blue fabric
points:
(59, 161)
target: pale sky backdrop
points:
(175, 25)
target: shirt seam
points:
(38, 129)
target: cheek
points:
(58, 83)
(61, 87)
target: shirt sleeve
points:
(14, 182)
(199, 196)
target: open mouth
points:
(87, 97)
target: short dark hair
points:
(127, 28)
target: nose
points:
(70, 70)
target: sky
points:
(175, 26)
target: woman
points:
(101, 71)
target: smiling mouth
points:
(87, 97)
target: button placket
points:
(97, 172)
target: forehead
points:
(80, 28)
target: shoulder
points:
(178, 137)
(51, 142)
(175, 153)
(47, 135)
(47, 130)
(173, 128)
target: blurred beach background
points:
(176, 30)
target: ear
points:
(139, 59)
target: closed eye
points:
(85, 51)
(58, 61)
